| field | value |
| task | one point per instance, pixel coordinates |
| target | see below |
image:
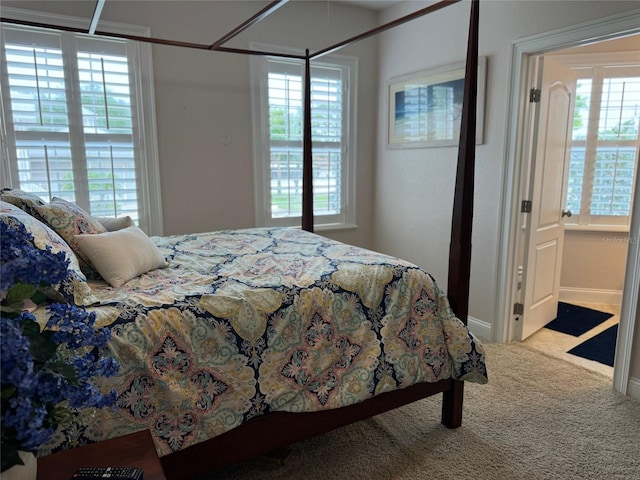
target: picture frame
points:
(425, 107)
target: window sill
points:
(335, 227)
(331, 227)
(597, 228)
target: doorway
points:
(515, 182)
(604, 80)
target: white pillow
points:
(121, 255)
(115, 223)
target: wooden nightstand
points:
(133, 450)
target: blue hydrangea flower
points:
(16, 361)
(43, 370)
(22, 262)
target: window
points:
(279, 137)
(604, 149)
(75, 122)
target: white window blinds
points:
(73, 122)
(604, 153)
(285, 134)
(279, 161)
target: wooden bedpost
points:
(307, 162)
(460, 246)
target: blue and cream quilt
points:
(246, 322)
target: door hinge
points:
(534, 95)
(518, 309)
(526, 206)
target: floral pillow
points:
(69, 220)
(24, 200)
(74, 288)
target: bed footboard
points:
(279, 429)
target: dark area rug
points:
(601, 348)
(575, 320)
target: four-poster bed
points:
(261, 433)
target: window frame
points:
(141, 73)
(261, 141)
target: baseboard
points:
(633, 388)
(480, 328)
(590, 295)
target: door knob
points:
(566, 213)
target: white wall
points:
(594, 260)
(203, 99)
(414, 188)
(635, 359)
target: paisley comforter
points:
(246, 322)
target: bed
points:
(236, 343)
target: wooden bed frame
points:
(279, 429)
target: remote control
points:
(113, 473)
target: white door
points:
(551, 144)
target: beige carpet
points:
(538, 418)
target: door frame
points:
(522, 69)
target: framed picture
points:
(425, 107)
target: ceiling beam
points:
(386, 26)
(96, 16)
(261, 15)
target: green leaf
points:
(41, 347)
(7, 392)
(30, 328)
(39, 297)
(60, 414)
(10, 456)
(17, 294)
(66, 370)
